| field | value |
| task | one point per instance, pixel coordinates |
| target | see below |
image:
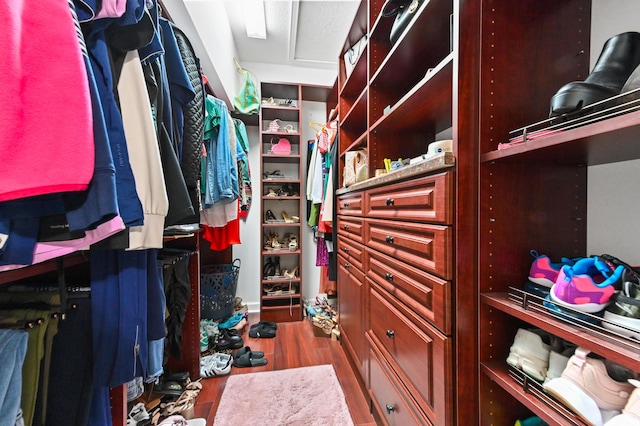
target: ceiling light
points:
(253, 11)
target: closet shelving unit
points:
(281, 296)
(534, 195)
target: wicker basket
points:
(218, 285)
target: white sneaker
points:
(530, 353)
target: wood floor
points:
(295, 345)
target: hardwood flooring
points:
(295, 345)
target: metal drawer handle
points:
(390, 201)
(390, 408)
(389, 239)
(390, 333)
(346, 204)
(346, 227)
(346, 265)
(345, 249)
(388, 276)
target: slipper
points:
(260, 330)
(269, 324)
(246, 361)
(247, 349)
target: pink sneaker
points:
(588, 390)
(543, 271)
(586, 286)
(631, 412)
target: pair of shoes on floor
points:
(228, 338)
(595, 389)
(263, 329)
(218, 364)
(245, 357)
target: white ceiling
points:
(306, 33)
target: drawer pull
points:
(345, 205)
(388, 276)
(345, 249)
(389, 239)
(390, 333)
(390, 201)
(390, 408)
(346, 265)
(346, 227)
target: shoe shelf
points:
(529, 308)
(530, 393)
(281, 200)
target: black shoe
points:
(619, 58)
(235, 340)
(269, 216)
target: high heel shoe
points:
(269, 269)
(291, 275)
(277, 266)
(619, 58)
(290, 219)
(270, 217)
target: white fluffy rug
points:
(297, 396)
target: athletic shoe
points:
(623, 315)
(587, 388)
(531, 421)
(544, 272)
(631, 412)
(586, 286)
(530, 352)
(561, 351)
(572, 316)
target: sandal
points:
(291, 275)
(271, 193)
(289, 128)
(269, 102)
(276, 174)
(247, 349)
(247, 360)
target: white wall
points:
(613, 224)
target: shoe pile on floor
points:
(169, 402)
(322, 315)
(596, 389)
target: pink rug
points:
(297, 396)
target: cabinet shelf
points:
(607, 141)
(532, 398)
(412, 113)
(73, 259)
(622, 351)
(357, 81)
(276, 158)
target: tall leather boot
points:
(619, 58)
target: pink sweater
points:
(46, 131)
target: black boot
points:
(619, 58)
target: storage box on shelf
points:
(281, 202)
(533, 195)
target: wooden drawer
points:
(351, 204)
(350, 227)
(427, 199)
(421, 292)
(420, 355)
(388, 398)
(352, 251)
(351, 307)
(428, 247)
